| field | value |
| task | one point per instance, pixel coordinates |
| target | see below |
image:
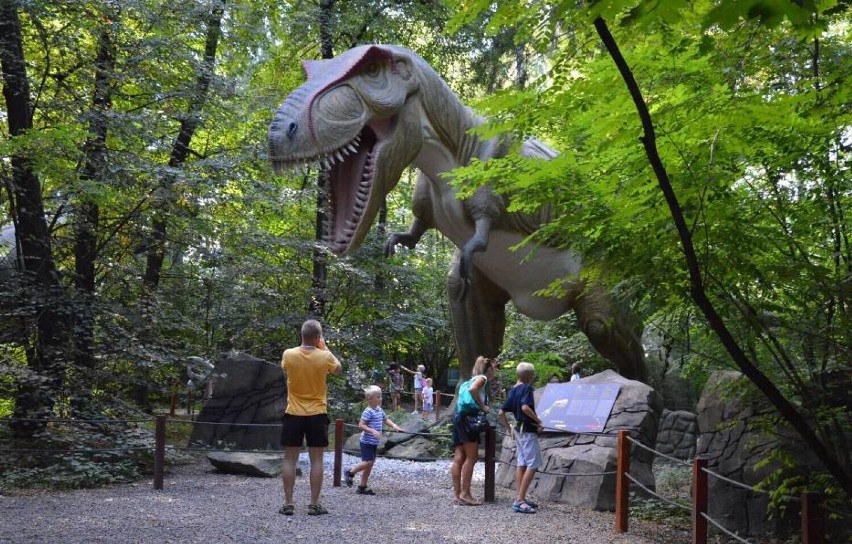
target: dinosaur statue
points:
(370, 112)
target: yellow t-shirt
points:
(306, 370)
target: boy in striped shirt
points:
(372, 420)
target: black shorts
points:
(460, 434)
(299, 429)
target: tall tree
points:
(181, 149)
(44, 289)
(87, 213)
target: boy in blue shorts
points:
(372, 420)
(521, 403)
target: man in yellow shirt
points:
(306, 416)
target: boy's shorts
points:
(368, 451)
(427, 406)
(310, 429)
(529, 451)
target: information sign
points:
(577, 406)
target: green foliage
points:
(752, 125)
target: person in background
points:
(576, 370)
(394, 384)
(418, 385)
(306, 416)
(521, 403)
(553, 379)
(371, 424)
(428, 398)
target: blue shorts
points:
(368, 451)
(528, 450)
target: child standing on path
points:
(372, 420)
(521, 403)
(428, 394)
(419, 382)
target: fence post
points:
(699, 501)
(490, 447)
(437, 405)
(813, 522)
(622, 484)
(159, 451)
(338, 451)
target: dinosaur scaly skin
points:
(372, 111)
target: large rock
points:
(677, 434)
(246, 390)
(254, 464)
(733, 445)
(353, 447)
(636, 409)
(411, 428)
(418, 448)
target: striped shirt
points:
(375, 419)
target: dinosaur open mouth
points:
(350, 182)
(350, 173)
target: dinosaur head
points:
(354, 117)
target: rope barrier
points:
(747, 487)
(559, 473)
(728, 532)
(78, 450)
(190, 448)
(59, 420)
(661, 454)
(352, 426)
(384, 456)
(646, 490)
(234, 424)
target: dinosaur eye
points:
(373, 69)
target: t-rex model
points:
(375, 109)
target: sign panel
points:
(577, 406)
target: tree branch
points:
(697, 289)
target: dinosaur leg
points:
(479, 317)
(613, 334)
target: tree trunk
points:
(697, 289)
(319, 275)
(180, 150)
(43, 287)
(87, 217)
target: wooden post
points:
(622, 484)
(338, 451)
(490, 464)
(159, 451)
(437, 405)
(813, 522)
(699, 501)
(173, 405)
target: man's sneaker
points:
(349, 477)
(364, 490)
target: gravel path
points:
(198, 504)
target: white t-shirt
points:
(428, 393)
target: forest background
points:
(704, 176)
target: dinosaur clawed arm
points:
(408, 239)
(477, 243)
